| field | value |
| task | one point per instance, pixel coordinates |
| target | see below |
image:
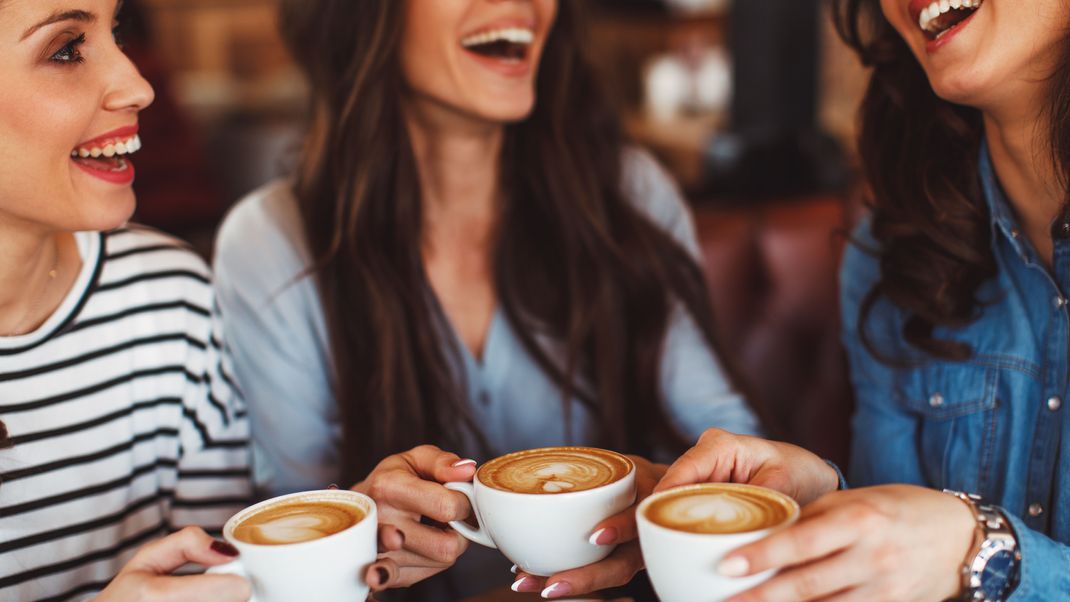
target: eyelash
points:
(69, 54)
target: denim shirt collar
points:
(1003, 219)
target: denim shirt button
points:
(936, 400)
(1059, 302)
(1054, 403)
(1035, 510)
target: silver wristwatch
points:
(990, 572)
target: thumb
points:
(192, 544)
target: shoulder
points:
(860, 270)
(261, 243)
(141, 258)
(653, 191)
(859, 274)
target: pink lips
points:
(124, 177)
(508, 68)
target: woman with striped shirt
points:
(119, 422)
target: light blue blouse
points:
(281, 349)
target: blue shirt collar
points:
(999, 207)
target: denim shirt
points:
(993, 425)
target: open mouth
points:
(942, 16)
(510, 44)
(107, 155)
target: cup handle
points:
(477, 535)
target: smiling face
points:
(67, 94)
(477, 58)
(982, 53)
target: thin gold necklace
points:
(22, 328)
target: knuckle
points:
(808, 585)
(426, 449)
(450, 547)
(378, 487)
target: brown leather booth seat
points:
(772, 271)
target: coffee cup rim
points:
(366, 503)
(640, 511)
(563, 495)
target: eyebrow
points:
(58, 17)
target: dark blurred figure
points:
(176, 190)
(774, 146)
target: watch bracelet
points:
(994, 534)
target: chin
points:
(960, 87)
(109, 214)
(509, 112)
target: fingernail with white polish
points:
(561, 588)
(733, 567)
(512, 569)
(516, 584)
(593, 539)
(461, 463)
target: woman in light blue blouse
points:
(955, 318)
(458, 264)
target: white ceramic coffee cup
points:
(683, 566)
(544, 534)
(328, 569)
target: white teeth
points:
(515, 35)
(127, 147)
(941, 7)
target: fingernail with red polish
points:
(604, 537)
(463, 463)
(557, 590)
(224, 548)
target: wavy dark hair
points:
(920, 157)
(575, 263)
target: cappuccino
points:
(297, 521)
(554, 470)
(720, 509)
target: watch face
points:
(998, 575)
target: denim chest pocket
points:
(957, 408)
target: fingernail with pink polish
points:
(603, 537)
(733, 567)
(518, 585)
(332, 486)
(557, 590)
(461, 463)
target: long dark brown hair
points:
(920, 156)
(575, 263)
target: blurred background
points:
(750, 104)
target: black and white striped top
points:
(125, 421)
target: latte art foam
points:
(712, 510)
(554, 470)
(297, 522)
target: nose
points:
(127, 90)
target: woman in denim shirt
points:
(954, 301)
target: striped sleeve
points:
(213, 480)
